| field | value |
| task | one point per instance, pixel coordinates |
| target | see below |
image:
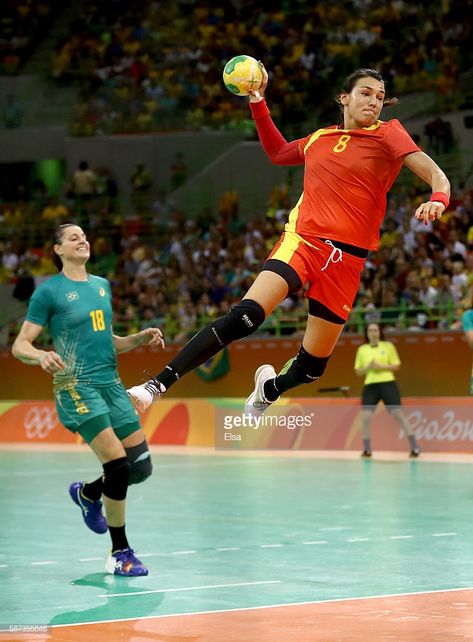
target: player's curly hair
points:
(351, 80)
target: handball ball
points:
(241, 74)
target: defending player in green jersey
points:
(90, 398)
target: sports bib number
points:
(98, 321)
(341, 143)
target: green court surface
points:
(232, 532)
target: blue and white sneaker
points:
(124, 562)
(91, 511)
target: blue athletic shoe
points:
(91, 511)
(124, 562)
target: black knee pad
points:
(308, 368)
(140, 462)
(115, 479)
(242, 320)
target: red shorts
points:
(333, 276)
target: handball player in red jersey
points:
(349, 168)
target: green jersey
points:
(79, 317)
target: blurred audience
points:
(156, 65)
(184, 272)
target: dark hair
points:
(351, 80)
(57, 240)
(380, 328)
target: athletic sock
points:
(204, 345)
(119, 540)
(412, 442)
(270, 392)
(367, 445)
(93, 490)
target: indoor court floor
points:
(244, 547)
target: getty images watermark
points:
(278, 428)
(234, 423)
(299, 424)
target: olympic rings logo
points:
(39, 422)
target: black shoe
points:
(414, 453)
(366, 454)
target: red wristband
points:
(441, 197)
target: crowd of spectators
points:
(177, 273)
(23, 24)
(154, 65)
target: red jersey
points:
(347, 175)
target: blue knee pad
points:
(139, 458)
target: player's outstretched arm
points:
(24, 350)
(147, 337)
(427, 169)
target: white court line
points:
(191, 588)
(228, 548)
(268, 606)
(237, 548)
(443, 534)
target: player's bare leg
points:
(414, 450)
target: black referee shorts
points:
(386, 391)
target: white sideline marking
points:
(401, 537)
(359, 539)
(268, 606)
(182, 552)
(43, 563)
(192, 588)
(90, 559)
(271, 545)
